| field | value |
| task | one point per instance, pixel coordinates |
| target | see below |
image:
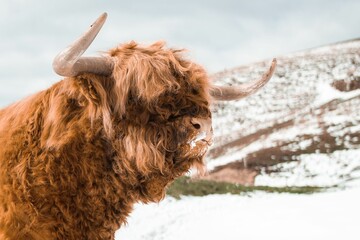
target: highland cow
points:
(115, 131)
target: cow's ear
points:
(90, 91)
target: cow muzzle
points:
(202, 128)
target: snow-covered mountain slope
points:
(303, 128)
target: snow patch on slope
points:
(326, 170)
(327, 93)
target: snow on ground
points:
(330, 215)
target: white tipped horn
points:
(228, 93)
(69, 62)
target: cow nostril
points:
(202, 126)
(196, 123)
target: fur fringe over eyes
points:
(146, 72)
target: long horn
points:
(227, 93)
(69, 62)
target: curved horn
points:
(227, 93)
(69, 62)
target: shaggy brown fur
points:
(76, 157)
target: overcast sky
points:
(218, 34)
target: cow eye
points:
(190, 111)
(195, 91)
(173, 117)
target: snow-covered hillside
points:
(303, 128)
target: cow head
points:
(159, 105)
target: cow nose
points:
(202, 125)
